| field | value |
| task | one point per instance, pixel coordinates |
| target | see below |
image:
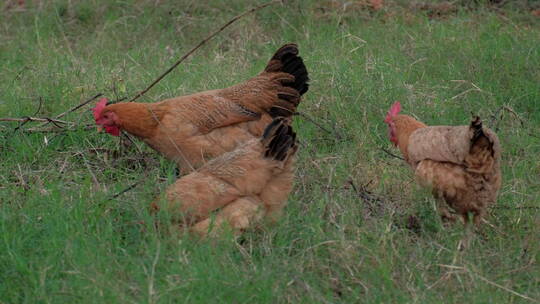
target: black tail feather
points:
(279, 139)
(479, 138)
(286, 60)
(276, 111)
(476, 126)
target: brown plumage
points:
(192, 129)
(240, 187)
(460, 163)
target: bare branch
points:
(233, 20)
(79, 105)
(47, 120)
(391, 154)
(335, 132)
(128, 188)
(43, 119)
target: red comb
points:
(394, 110)
(102, 103)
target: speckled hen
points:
(460, 163)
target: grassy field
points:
(63, 238)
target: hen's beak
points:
(99, 128)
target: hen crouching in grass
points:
(238, 189)
(461, 164)
(193, 129)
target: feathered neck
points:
(405, 125)
(139, 119)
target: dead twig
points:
(79, 105)
(212, 35)
(36, 113)
(391, 154)
(363, 193)
(39, 106)
(29, 118)
(132, 186)
(372, 202)
(47, 120)
(128, 188)
(335, 132)
(498, 115)
(511, 111)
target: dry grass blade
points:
(506, 289)
(465, 269)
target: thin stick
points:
(336, 134)
(233, 20)
(74, 108)
(36, 113)
(28, 118)
(131, 187)
(363, 193)
(128, 188)
(79, 106)
(47, 120)
(391, 154)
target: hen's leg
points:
(468, 233)
(238, 215)
(478, 215)
(444, 212)
(442, 207)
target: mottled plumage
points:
(460, 163)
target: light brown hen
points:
(460, 163)
(239, 188)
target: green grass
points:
(63, 239)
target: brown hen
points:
(460, 163)
(239, 188)
(192, 129)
